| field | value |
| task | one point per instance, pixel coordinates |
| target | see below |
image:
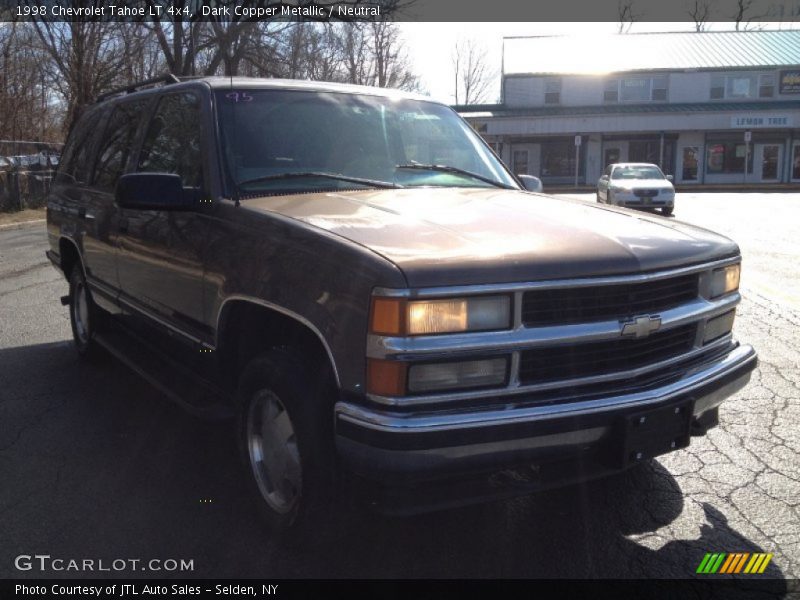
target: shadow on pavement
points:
(105, 467)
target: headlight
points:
(395, 316)
(725, 280)
(616, 188)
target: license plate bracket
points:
(653, 432)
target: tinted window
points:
(172, 142)
(115, 145)
(268, 133)
(75, 161)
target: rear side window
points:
(75, 161)
(115, 146)
(172, 142)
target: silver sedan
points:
(637, 185)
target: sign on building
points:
(747, 121)
(790, 82)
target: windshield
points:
(277, 141)
(637, 172)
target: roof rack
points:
(167, 79)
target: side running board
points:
(180, 384)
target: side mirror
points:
(154, 191)
(531, 183)
(670, 178)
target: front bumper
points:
(394, 447)
(629, 198)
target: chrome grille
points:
(645, 193)
(540, 365)
(587, 304)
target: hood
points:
(641, 183)
(467, 236)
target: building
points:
(701, 105)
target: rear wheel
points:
(286, 441)
(84, 315)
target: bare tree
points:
(355, 49)
(390, 61)
(626, 15)
(700, 11)
(743, 15)
(85, 58)
(471, 71)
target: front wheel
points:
(286, 441)
(666, 210)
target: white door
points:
(768, 162)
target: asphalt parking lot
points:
(95, 464)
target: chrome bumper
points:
(385, 444)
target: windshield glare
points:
(636, 172)
(274, 132)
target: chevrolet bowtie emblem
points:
(640, 327)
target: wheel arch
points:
(70, 255)
(241, 322)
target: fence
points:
(26, 171)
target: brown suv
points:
(355, 275)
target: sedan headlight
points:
(725, 280)
(396, 316)
(616, 188)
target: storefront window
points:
(690, 156)
(796, 162)
(728, 157)
(558, 159)
(649, 151)
(612, 156)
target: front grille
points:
(597, 358)
(645, 193)
(584, 305)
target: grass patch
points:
(29, 214)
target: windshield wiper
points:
(303, 174)
(457, 171)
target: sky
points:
(430, 45)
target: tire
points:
(84, 315)
(285, 431)
(666, 210)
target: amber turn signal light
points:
(388, 316)
(386, 377)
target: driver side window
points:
(172, 143)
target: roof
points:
(650, 52)
(500, 110)
(262, 83)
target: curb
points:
(21, 224)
